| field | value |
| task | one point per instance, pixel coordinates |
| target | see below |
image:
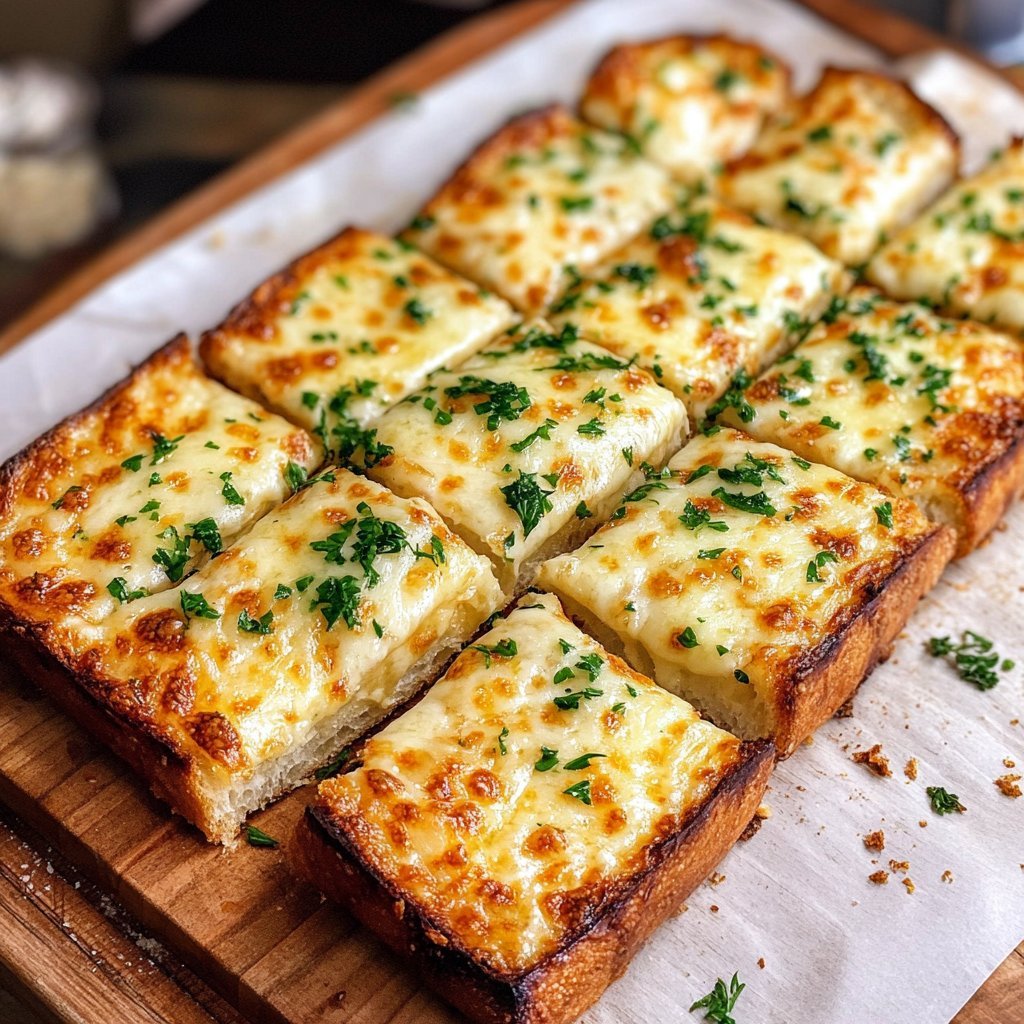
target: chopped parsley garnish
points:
(295, 475)
(502, 736)
(133, 463)
(582, 512)
(973, 658)
(338, 598)
(548, 759)
(636, 273)
(436, 552)
(802, 463)
(196, 606)
(757, 504)
(231, 495)
(283, 592)
(820, 134)
(173, 559)
(528, 500)
(734, 398)
(592, 428)
(206, 532)
(505, 400)
(506, 648)
(697, 519)
(543, 432)
(688, 638)
(59, 503)
(740, 676)
(817, 563)
(709, 552)
(416, 311)
(574, 204)
(154, 479)
(720, 1001)
(726, 79)
(885, 142)
(577, 764)
(257, 837)
(118, 588)
(591, 664)
(163, 446)
(262, 625)
(944, 802)
(580, 791)
(883, 513)
(827, 421)
(571, 701)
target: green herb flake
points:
(579, 791)
(257, 837)
(944, 802)
(720, 1001)
(196, 606)
(548, 759)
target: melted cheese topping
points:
(327, 602)
(846, 164)
(450, 803)
(689, 102)
(348, 330)
(129, 496)
(893, 394)
(545, 192)
(966, 253)
(715, 577)
(704, 292)
(530, 436)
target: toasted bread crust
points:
(820, 681)
(564, 983)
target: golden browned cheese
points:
(530, 783)
(130, 495)
(545, 193)
(894, 394)
(704, 292)
(349, 329)
(689, 102)
(720, 575)
(845, 165)
(326, 602)
(534, 435)
(966, 252)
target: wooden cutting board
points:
(91, 866)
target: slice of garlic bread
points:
(234, 688)
(545, 192)
(129, 495)
(845, 165)
(347, 330)
(758, 585)
(522, 830)
(704, 292)
(891, 393)
(689, 102)
(965, 254)
(527, 446)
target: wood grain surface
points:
(90, 864)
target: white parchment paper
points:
(836, 949)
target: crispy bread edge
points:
(565, 982)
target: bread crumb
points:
(947, 875)
(753, 827)
(714, 908)
(875, 841)
(763, 812)
(1007, 763)
(1008, 785)
(760, 962)
(910, 769)
(923, 824)
(715, 878)
(874, 760)
(879, 878)
(898, 866)
(909, 885)
(844, 710)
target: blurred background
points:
(112, 109)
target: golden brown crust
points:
(564, 983)
(817, 682)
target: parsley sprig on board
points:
(720, 1001)
(973, 658)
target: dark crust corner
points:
(817, 682)
(568, 980)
